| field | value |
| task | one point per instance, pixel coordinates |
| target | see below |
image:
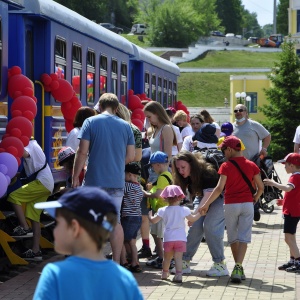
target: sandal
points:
(126, 265)
(177, 278)
(165, 275)
(135, 269)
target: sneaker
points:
(144, 252)
(177, 278)
(286, 265)
(20, 231)
(294, 268)
(236, 275)
(185, 268)
(155, 263)
(217, 270)
(164, 275)
(172, 263)
(31, 256)
(243, 276)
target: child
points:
(238, 209)
(85, 217)
(159, 163)
(290, 209)
(173, 217)
(131, 217)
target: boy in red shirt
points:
(238, 208)
(290, 209)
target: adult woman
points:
(209, 119)
(82, 113)
(163, 137)
(191, 172)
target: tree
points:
(268, 30)
(230, 14)
(283, 109)
(250, 23)
(282, 17)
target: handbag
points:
(252, 189)
(27, 179)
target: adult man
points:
(296, 140)
(110, 143)
(38, 190)
(251, 133)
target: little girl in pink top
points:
(174, 241)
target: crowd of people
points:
(144, 184)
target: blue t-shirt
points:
(85, 279)
(109, 137)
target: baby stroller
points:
(271, 194)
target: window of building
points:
(252, 105)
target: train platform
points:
(264, 281)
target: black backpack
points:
(212, 156)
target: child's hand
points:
(149, 186)
(268, 182)
(190, 223)
(194, 143)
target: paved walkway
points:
(264, 280)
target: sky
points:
(263, 9)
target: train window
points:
(77, 70)
(103, 75)
(153, 85)
(159, 87)
(124, 80)
(147, 83)
(165, 99)
(170, 94)
(90, 75)
(174, 92)
(114, 76)
(29, 65)
(60, 57)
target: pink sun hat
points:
(172, 191)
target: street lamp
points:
(242, 98)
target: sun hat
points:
(172, 191)
(206, 134)
(158, 157)
(227, 128)
(64, 154)
(89, 203)
(231, 142)
(133, 168)
(292, 158)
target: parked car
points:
(139, 29)
(112, 27)
(217, 33)
(253, 39)
(229, 35)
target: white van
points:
(139, 29)
(229, 34)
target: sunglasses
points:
(238, 110)
(223, 150)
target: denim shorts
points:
(131, 225)
(117, 194)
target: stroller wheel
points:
(267, 209)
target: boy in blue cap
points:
(160, 165)
(85, 217)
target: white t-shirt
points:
(187, 131)
(296, 139)
(179, 139)
(187, 144)
(35, 162)
(72, 140)
(174, 221)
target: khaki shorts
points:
(29, 194)
(158, 229)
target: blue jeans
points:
(212, 225)
(117, 194)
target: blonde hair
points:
(123, 112)
(171, 200)
(180, 115)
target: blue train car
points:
(42, 36)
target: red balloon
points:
(69, 109)
(12, 142)
(64, 92)
(123, 99)
(53, 76)
(21, 123)
(54, 85)
(15, 70)
(134, 102)
(46, 79)
(130, 92)
(138, 123)
(138, 114)
(17, 84)
(25, 140)
(69, 125)
(28, 92)
(24, 104)
(143, 96)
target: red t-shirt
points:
(236, 189)
(291, 200)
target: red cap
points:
(231, 142)
(292, 158)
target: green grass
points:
(134, 39)
(205, 89)
(233, 59)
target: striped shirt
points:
(133, 196)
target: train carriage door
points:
(136, 75)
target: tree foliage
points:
(282, 17)
(250, 24)
(172, 24)
(283, 109)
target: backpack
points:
(212, 156)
